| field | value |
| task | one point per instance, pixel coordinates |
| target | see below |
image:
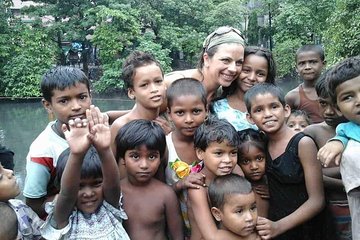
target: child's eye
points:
(197, 111)
(346, 98)
(143, 85)
(234, 153)
(290, 125)
(218, 153)
(244, 162)
(225, 61)
(134, 156)
(63, 101)
(239, 211)
(245, 70)
(159, 81)
(179, 113)
(260, 158)
(253, 208)
(83, 97)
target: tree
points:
(32, 55)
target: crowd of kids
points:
(186, 164)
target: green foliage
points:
(110, 79)
(32, 55)
(147, 44)
(235, 11)
(343, 38)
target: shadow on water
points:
(22, 121)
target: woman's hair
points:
(223, 186)
(257, 51)
(186, 87)
(215, 130)
(91, 166)
(257, 139)
(135, 60)
(221, 35)
(137, 133)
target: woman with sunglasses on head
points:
(259, 66)
(220, 61)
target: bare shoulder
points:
(292, 97)
(314, 129)
(306, 142)
(120, 122)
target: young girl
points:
(251, 158)
(187, 106)
(18, 221)
(298, 120)
(87, 206)
(259, 66)
(215, 144)
(294, 174)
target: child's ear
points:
(47, 105)
(249, 118)
(216, 213)
(287, 110)
(199, 153)
(131, 94)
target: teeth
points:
(228, 77)
(269, 123)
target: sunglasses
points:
(221, 31)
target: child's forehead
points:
(143, 148)
(224, 143)
(265, 98)
(187, 99)
(308, 55)
(239, 199)
(76, 88)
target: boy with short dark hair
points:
(344, 89)
(233, 205)
(66, 94)
(151, 205)
(143, 78)
(310, 60)
(334, 187)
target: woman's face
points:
(225, 66)
(255, 70)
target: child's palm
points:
(77, 136)
(101, 136)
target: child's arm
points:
(101, 138)
(173, 216)
(331, 151)
(79, 143)
(203, 218)
(314, 187)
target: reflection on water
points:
(22, 122)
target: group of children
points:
(255, 176)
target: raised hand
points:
(100, 134)
(77, 135)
